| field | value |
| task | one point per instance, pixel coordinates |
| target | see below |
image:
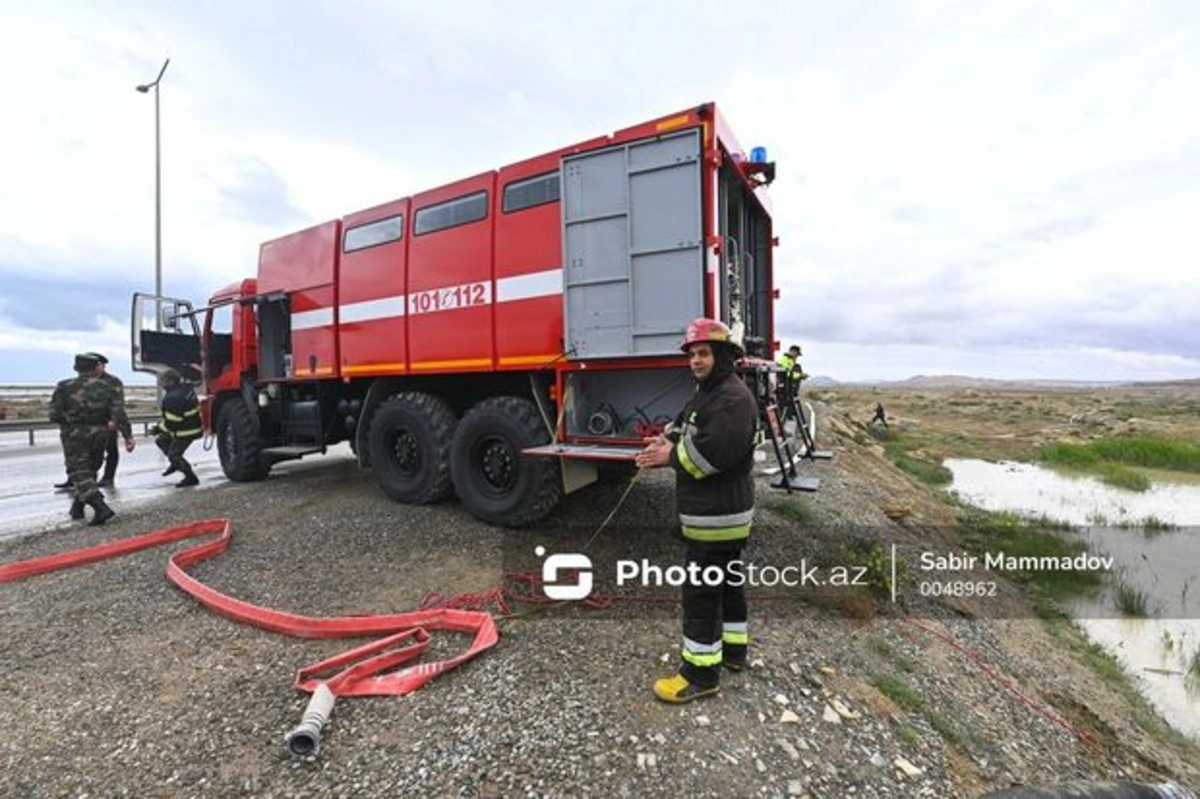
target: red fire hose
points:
(355, 673)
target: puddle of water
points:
(1164, 566)
(1027, 488)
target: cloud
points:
(987, 185)
(256, 193)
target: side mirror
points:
(170, 317)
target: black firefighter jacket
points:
(713, 458)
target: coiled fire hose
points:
(358, 672)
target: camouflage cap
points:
(96, 356)
(86, 362)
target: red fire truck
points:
(501, 337)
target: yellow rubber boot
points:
(677, 690)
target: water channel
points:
(1162, 650)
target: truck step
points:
(287, 453)
(797, 483)
(599, 452)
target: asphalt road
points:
(29, 502)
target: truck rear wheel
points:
(495, 482)
(409, 443)
(239, 444)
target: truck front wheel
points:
(409, 443)
(495, 482)
(239, 444)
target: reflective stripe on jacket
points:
(181, 412)
(713, 458)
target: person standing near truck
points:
(112, 453)
(711, 449)
(88, 410)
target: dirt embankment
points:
(117, 684)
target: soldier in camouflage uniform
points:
(112, 453)
(110, 456)
(87, 410)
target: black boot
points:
(189, 477)
(77, 510)
(66, 485)
(170, 470)
(106, 481)
(102, 512)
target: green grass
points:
(1150, 451)
(1156, 524)
(909, 736)
(1132, 602)
(1074, 456)
(1113, 458)
(1019, 536)
(929, 472)
(944, 727)
(796, 509)
(907, 698)
(1120, 476)
(899, 692)
(882, 648)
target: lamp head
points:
(143, 88)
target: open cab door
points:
(165, 335)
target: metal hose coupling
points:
(305, 740)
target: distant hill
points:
(982, 383)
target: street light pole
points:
(144, 88)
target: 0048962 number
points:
(957, 588)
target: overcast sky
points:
(1006, 189)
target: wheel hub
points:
(406, 453)
(498, 463)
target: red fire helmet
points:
(710, 330)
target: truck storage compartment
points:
(633, 246)
(623, 404)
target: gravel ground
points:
(118, 684)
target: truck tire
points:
(239, 444)
(409, 442)
(494, 481)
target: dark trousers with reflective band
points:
(714, 616)
(174, 448)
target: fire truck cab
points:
(500, 337)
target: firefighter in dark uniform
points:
(88, 410)
(711, 449)
(180, 425)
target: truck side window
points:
(372, 234)
(451, 213)
(522, 194)
(220, 351)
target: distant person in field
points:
(880, 416)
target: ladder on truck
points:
(770, 405)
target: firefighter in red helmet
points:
(710, 446)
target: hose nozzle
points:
(305, 739)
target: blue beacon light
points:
(758, 155)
